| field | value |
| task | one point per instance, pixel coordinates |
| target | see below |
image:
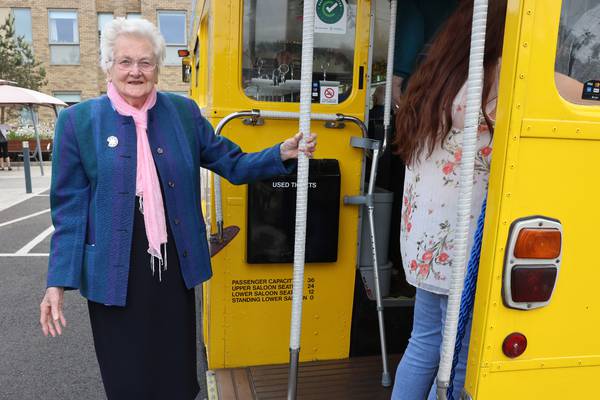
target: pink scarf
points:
(147, 186)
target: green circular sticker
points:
(330, 11)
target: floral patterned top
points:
(429, 205)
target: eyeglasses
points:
(126, 64)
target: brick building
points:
(65, 35)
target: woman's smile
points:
(134, 71)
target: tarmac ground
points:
(33, 366)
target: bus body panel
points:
(545, 152)
(239, 332)
(539, 383)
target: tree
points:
(18, 61)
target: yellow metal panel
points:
(579, 130)
(503, 138)
(537, 73)
(258, 333)
(200, 37)
(253, 333)
(538, 384)
(553, 181)
(225, 92)
(544, 164)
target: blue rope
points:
(468, 294)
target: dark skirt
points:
(147, 349)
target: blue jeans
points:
(416, 373)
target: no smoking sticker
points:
(329, 94)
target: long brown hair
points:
(425, 114)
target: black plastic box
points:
(272, 216)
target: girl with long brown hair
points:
(429, 130)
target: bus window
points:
(380, 41)
(272, 50)
(380, 48)
(577, 63)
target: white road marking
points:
(26, 197)
(37, 240)
(24, 255)
(24, 218)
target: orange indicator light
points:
(538, 243)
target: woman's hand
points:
(290, 148)
(51, 313)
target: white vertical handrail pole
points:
(368, 96)
(308, 28)
(469, 147)
(389, 75)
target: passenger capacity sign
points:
(268, 290)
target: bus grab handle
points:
(255, 116)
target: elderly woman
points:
(129, 231)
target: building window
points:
(23, 23)
(133, 16)
(68, 97)
(103, 19)
(64, 37)
(172, 27)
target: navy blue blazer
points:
(92, 194)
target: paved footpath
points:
(31, 365)
(12, 184)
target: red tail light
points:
(532, 261)
(532, 284)
(514, 345)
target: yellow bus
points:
(536, 311)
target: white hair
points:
(136, 27)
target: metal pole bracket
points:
(254, 121)
(334, 125)
(366, 200)
(365, 143)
